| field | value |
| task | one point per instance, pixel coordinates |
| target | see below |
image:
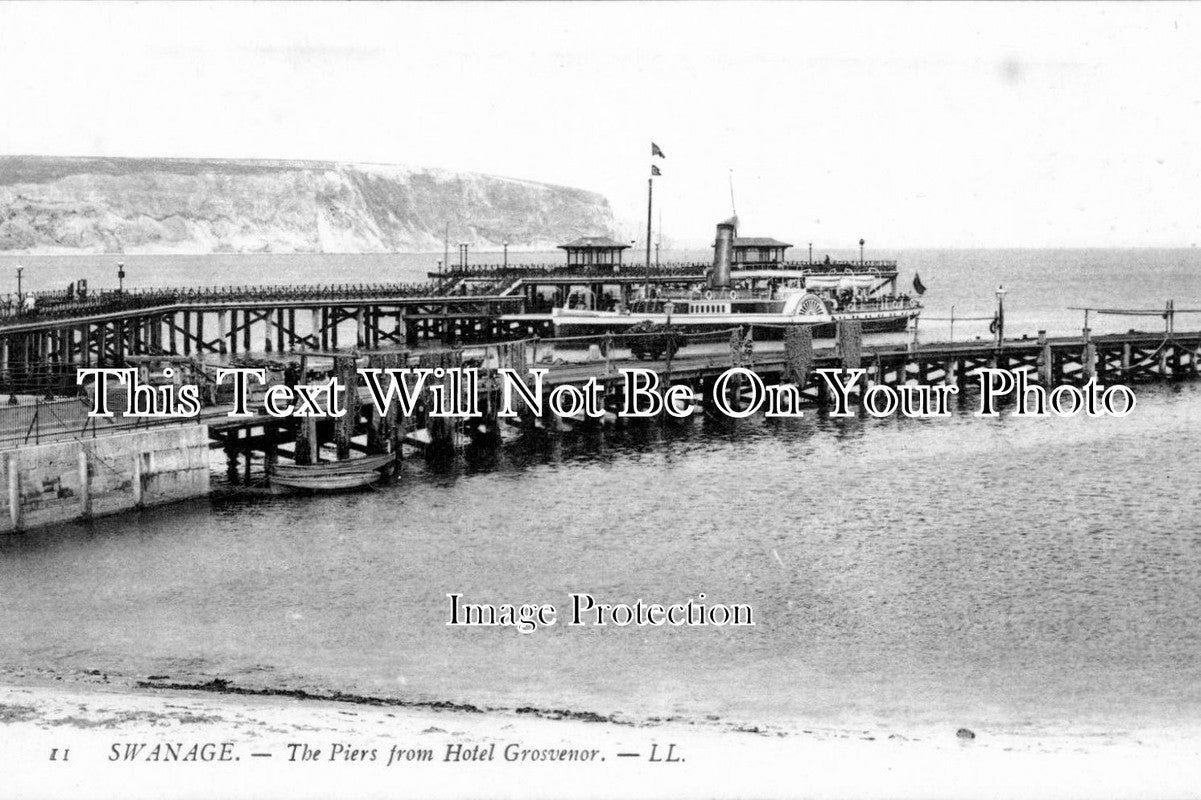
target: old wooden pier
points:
(316, 333)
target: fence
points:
(37, 421)
(38, 378)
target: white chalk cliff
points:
(125, 205)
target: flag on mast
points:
(655, 170)
(657, 151)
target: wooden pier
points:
(39, 350)
(1118, 358)
(40, 345)
(263, 441)
(313, 333)
(1125, 358)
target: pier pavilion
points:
(594, 251)
(757, 250)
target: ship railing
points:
(897, 303)
(512, 271)
(822, 268)
(671, 268)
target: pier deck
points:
(1112, 358)
(38, 473)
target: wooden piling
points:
(222, 332)
(306, 447)
(344, 372)
(1088, 362)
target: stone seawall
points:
(63, 481)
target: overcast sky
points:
(910, 125)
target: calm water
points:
(1015, 574)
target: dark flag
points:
(918, 286)
(655, 151)
(655, 170)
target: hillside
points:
(115, 205)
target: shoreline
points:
(38, 715)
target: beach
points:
(97, 720)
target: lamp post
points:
(506, 246)
(811, 252)
(20, 297)
(120, 277)
(1000, 315)
(669, 307)
(861, 243)
(645, 284)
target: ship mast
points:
(650, 192)
(659, 240)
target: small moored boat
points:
(331, 476)
(367, 464)
(326, 483)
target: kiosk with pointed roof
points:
(753, 250)
(594, 251)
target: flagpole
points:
(659, 240)
(646, 286)
(1000, 318)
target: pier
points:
(38, 348)
(40, 345)
(1130, 358)
(306, 335)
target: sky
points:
(909, 125)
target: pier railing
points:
(58, 305)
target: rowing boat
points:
(322, 468)
(326, 483)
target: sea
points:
(1010, 575)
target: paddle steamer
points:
(751, 282)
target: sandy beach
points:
(204, 744)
